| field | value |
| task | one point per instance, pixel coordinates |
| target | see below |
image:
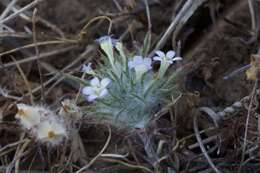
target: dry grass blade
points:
(7, 9)
(25, 80)
(253, 94)
(204, 151)
(12, 145)
(27, 7)
(19, 155)
(255, 15)
(130, 165)
(37, 54)
(16, 34)
(42, 55)
(187, 10)
(59, 74)
(32, 45)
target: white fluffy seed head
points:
(51, 132)
(41, 123)
(29, 116)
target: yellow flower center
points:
(51, 134)
(21, 112)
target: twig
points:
(12, 16)
(12, 145)
(184, 20)
(204, 151)
(59, 73)
(5, 93)
(184, 12)
(14, 34)
(32, 45)
(43, 55)
(7, 9)
(130, 165)
(83, 32)
(148, 15)
(19, 155)
(41, 20)
(253, 14)
(27, 84)
(118, 6)
(237, 71)
(253, 94)
(37, 54)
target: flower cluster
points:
(126, 90)
(42, 123)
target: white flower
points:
(106, 44)
(97, 89)
(87, 69)
(140, 64)
(29, 116)
(51, 131)
(106, 38)
(166, 58)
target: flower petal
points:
(170, 54)
(43, 129)
(148, 63)
(105, 82)
(177, 59)
(169, 61)
(160, 53)
(157, 58)
(86, 68)
(107, 38)
(138, 59)
(87, 90)
(91, 98)
(131, 64)
(95, 82)
(103, 93)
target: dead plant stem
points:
(253, 94)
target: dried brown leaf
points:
(253, 71)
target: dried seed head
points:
(51, 131)
(41, 123)
(29, 116)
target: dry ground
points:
(217, 39)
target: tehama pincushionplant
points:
(125, 90)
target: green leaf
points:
(138, 97)
(146, 44)
(76, 79)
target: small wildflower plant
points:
(125, 90)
